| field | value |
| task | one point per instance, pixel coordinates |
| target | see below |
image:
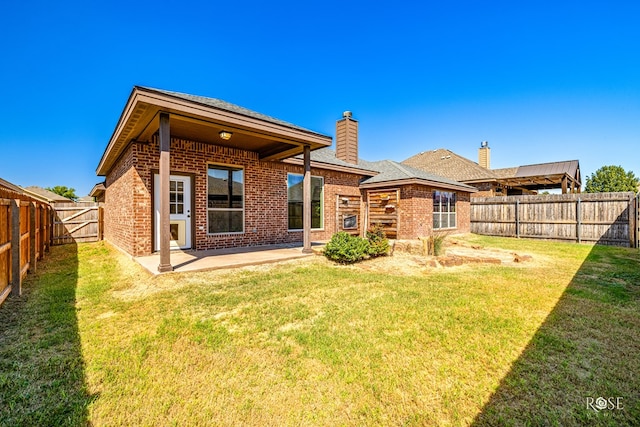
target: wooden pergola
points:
(533, 178)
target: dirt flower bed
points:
(408, 257)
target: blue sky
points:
(541, 81)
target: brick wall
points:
(118, 218)
(129, 201)
(416, 211)
(129, 212)
(463, 208)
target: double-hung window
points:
(444, 210)
(295, 201)
(225, 199)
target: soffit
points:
(139, 121)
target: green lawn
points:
(95, 340)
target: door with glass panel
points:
(179, 211)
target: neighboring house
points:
(45, 195)
(86, 199)
(10, 188)
(191, 172)
(526, 179)
(97, 192)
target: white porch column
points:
(306, 202)
(165, 165)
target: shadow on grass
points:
(41, 365)
(581, 367)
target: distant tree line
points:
(610, 179)
(61, 190)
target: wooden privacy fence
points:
(603, 218)
(25, 230)
(77, 222)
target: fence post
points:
(100, 223)
(579, 220)
(16, 277)
(32, 237)
(637, 242)
(43, 229)
(518, 218)
(52, 221)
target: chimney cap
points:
(484, 144)
(347, 114)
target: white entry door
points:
(179, 211)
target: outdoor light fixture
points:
(225, 135)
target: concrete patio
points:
(192, 260)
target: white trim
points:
(187, 216)
(448, 212)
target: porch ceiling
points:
(196, 119)
(537, 182)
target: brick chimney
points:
(484, 155)
(347, 138)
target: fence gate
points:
(76, 222)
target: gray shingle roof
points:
(328, 156)
(227, 106)
(383, 171)
(390, 171)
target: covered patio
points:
(217, 259)
(171, 116)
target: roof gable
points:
(227, 106)
(202, 119)
(394, 172)
(47, 195)
(384, 171)
(451, 165)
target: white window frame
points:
(221, 166)
(448, 212)
(321, 203)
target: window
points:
(176, 197)
(294, 192)
(225, 200)
(444, 210)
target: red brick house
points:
(518, 180)
(191, 172)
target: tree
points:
(61, 190)
(608, 179)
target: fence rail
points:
(25, 227)
(603, 218)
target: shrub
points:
(378, 242)
(436, 244)
(344, 248)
